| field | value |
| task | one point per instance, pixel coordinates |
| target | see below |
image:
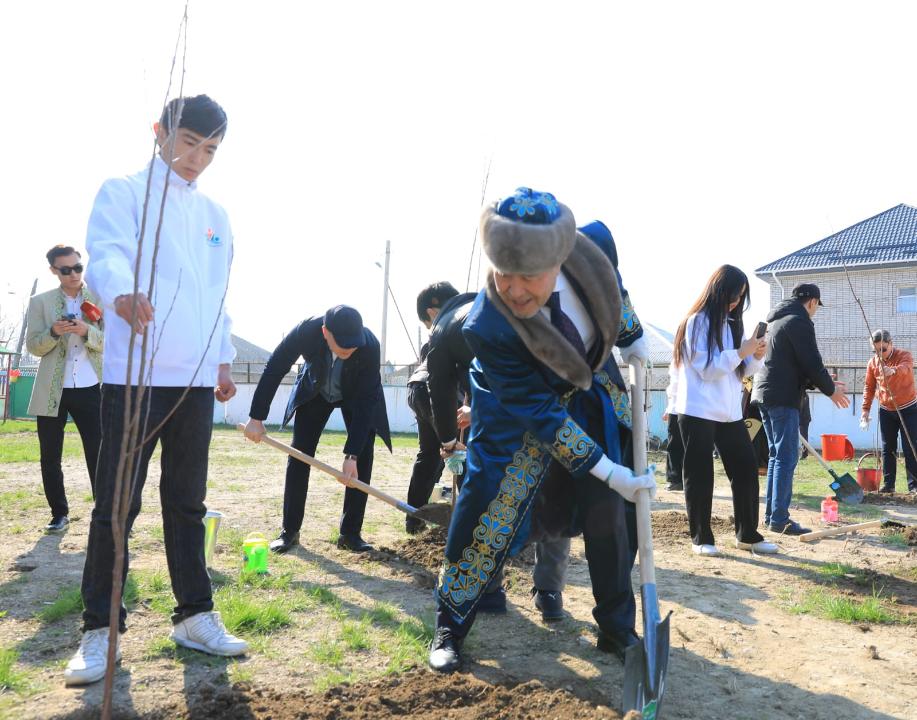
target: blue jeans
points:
(781, 426)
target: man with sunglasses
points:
(69, 344)
(890, 379)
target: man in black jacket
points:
(428, 466)
(792, 363)
(340, 370)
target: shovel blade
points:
(434, 513)
(645, 666)
(847, 490)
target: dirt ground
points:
(749, 638)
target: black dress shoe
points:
(493, 602)
(445, 651)
(676, 486)
(616, 643)
(284, 542)
(887, 489)
(790, 528)
(551, 604)
(58, 523)
(354, 543)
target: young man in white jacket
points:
(188, 346)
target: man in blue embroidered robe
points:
(542, 332)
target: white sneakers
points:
(89, 663)
(206, 632)
(705, 550)
(762, 547)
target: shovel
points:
(646, 662)
(845, 487)
(433, 513)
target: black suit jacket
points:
(447, 362)
(363, 401)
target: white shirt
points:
(714, 391)
(192, 273)
(78, 372)
(576, 311)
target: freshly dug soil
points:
(670, 527)
(874, 498)
(425, 550)
(420, 694)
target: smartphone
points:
(760, 330)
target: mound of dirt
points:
(426, 551)
(874, 498)
(419, 694)
(671, 527)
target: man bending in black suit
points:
(340, 370)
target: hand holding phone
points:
(760, 330)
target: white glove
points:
(638, 350)
(622, 480)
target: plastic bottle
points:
(829, 509)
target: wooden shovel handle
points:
(809, 537)
(642, 498)
(817, 455)
(335, 473)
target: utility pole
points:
(22, 329)
(388, 254)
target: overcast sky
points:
(701, 133)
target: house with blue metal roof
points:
(874, 260)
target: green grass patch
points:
(355, 635)
(11, 679)
(830, 605)
(408, 645)
(331, 679)
(248, 578)
(242, 612)
(327, 652)
(68, 602)
(23, 447)
(326, 597)
(837, 571)
(894, 539)
(383, 614)
(21, 498)
(238, 673)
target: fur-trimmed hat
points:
(527, 233)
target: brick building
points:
(878, 257)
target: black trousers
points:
(185, 441)
(82, 404)
(731, 439)
(428, 465)
(308, 425)
(890, 427)
(674, 452)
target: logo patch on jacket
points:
(212, 238)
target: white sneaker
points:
(90, 661)
(762, 546)
(706, 550)
(206, 632)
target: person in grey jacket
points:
(792, 363)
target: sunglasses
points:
(64, 270)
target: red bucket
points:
(836, 447)
(868, 478)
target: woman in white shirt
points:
(711, 357)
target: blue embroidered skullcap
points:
(529, 206)
(528, 232)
